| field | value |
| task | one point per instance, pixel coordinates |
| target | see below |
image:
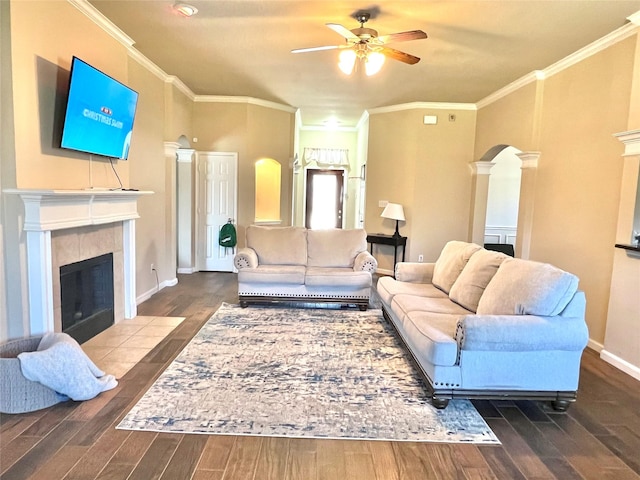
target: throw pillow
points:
(476, 275)
(525, 287)
(452, 260)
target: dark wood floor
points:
(598, 438)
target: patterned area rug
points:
(292, 372)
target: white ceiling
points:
(243, 47)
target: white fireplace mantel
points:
(48, 210)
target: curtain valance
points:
(326, 157)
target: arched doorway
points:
(510, 202)
(503, 198)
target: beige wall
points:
(178, 114)
(426, 169)
(253, 132)
(42, 54)
(40, 59)
(580, 170)
(270, 135)
(148, 170)
(622, 337)
(511, 118)
(577, 182)
(7, 166)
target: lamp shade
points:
(373, 64)
(393, 211)
(347, 61)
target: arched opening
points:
(267, 195)
(502, 203)
(503, 198)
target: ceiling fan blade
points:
(345, 32)
(401, 37)
(398, 55)
(315, 49)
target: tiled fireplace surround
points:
(81, 243)
(66, 226)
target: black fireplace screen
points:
(86, 290)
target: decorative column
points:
(170, 152)
(527, 196)
(622, 335)
(480, 170)
(185, 204)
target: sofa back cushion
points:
(524, 287)
(474, 278)
(278, 245)
(452, 260)
(335, 247)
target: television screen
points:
(100, 113)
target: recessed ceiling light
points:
(185, 9)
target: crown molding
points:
(634, 18)
(602, 43)
(422, 105)
(242, 99)
(148, 64)
(103, 22)
(99, 19)
(510, 88)
(631, 141)
(181, 86)
(364, 118)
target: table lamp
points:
(395, 212)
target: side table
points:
(394, 241)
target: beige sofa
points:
(480, 324)
(283, 264)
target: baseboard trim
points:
(621, 364)
(187, 270)
(597, 346)
(149, 293)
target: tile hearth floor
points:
(121, 346)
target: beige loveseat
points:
(283, 264)
(480, 324)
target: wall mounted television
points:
(100, 113)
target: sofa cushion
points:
(433, 335)
(404, 304)
(388, 287)
(276, 274)
(452, 260)
(335, 247)
(524, 287)
(338, 277)
(278, 245)
(474, 278)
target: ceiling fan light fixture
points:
(347, 61)
(373, 63)
(185, 9)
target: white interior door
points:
(217, 204)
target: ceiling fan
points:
(365, 44)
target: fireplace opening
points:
(86, 291)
